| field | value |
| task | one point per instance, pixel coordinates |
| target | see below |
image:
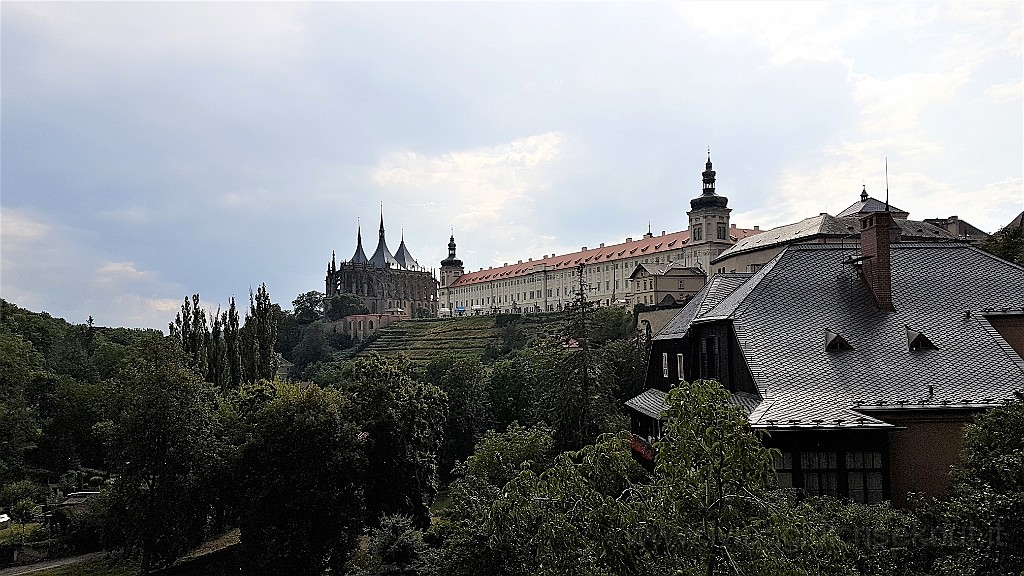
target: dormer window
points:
(834, 341)
(918, 341)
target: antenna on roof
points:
(886, 183)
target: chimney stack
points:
(878, 232)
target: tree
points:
(302, 503)
(191, 331)
(1007, 243)
(161, 436)
(308, 307)
(708, 508)
(395, 548)
(233, 344)
(462, 379)
(401, 422)
(258, 336)
(340, 305)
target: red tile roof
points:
(642, 246)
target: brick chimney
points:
(878, 231)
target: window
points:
(784, 469)
(664, 364)
(698, 233)
(819, 473)
(721, 231)
(709, 357)
(679, 367)
(864, 476)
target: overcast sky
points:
(155, 150)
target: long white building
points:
(548, 283)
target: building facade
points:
(386, 283)
(549, 283)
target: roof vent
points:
(834, 341)
(629, 239)
(918, 341)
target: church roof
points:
(359, 257)
(382, 257)
(405, 259)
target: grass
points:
(15, 534)
(97, 567)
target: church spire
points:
(709, 177)
(359, 257)
(382, 257)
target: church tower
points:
(709, 222)
(451, 267)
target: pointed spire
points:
(382, 257)
(359, 257)
(864, 193)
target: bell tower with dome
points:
(709, 222)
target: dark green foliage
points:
(462, 379)
(162, 435)
(258, 336)
(708, 508)
(21, 490)
(341, 305)
(396, 548)
(308, 307)
(302, 469)
(400, 420)
(511, 390)
(1007, 243)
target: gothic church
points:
(385, 282)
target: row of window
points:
(854, 474)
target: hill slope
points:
(473, 336)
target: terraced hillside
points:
(424, 339)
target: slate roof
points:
(405, 259)
(869, 204)
(716, 290)
(651, 402)
(780, 315)
(828, 226)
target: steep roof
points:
(867, 204)
(405, 259)
(662, 268)
(716, 290)
(382, 257)
(780, 316)
(645, 246)
(828, 226)
(359, 257)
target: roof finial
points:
(864, 193)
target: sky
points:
(150, 151)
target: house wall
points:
(923, 453)
(732, 370)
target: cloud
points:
(121, 272)
(1006, 92)
(21, 227)
(477, 187)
